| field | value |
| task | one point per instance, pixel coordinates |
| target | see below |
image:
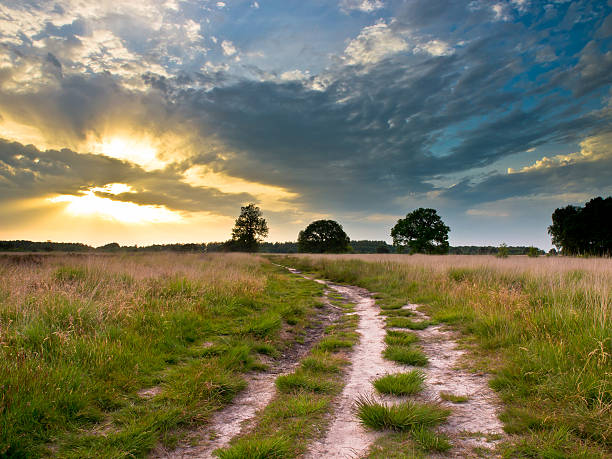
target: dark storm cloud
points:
(378, 131)
(369, 136)
(583, 177)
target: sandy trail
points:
(346, 438)
(239, 417)
(472, 424)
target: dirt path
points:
(473, 424)
(238, 417)
(346, 437)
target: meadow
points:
(120, 355)
(541, 326)
(112, 355)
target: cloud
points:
(228, 48)
(26, 172)
(394, 112)
(373, 44)
(434, 48)
(586, 172)
(365, 6)
(596, 148)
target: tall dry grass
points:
(80, 335)
(546, 324)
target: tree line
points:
(575, 230)
(358, 247)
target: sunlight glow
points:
(138, 151)
(275, 197)
(89, 204)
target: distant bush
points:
(533, 252)
(502, 251)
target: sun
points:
(135, 150)
(89, 204)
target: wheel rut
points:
(239, 416)
(472, 425)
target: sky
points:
(153, 121)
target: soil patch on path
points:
(346, 437)
(238, 417)
(473, 423)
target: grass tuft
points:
(401, 417)
(256, 448)
(332, 343)
(400, 383)
(403, 322)
(454, 398)
(400, 338)
(321, 363)
(405, 354)
(300, 381)
(431, 441)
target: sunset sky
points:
(153, 121)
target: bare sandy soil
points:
(472, 424)
(346, 437)
(238, 418)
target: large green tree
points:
(323, 236)
(422, 231)
(583, 230)
(250, 229)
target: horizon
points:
(153, 121)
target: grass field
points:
(542, 326)
(112, 355)
(105, 356)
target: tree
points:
(250, 229)
(583, 230)
(502, 251)
(422, 231)
(533, 252)
(323, 236)
(382, 249)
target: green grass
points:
(303, 403)
(83, 335)
(322, 363)
(542, 326)
(431, 441)
(403, 322)
(454, 398)
(405, 416)
(302, 380)
(400, 383)
(396, 445)
(333, 343)
(397, 312)
(405, 354)
(400, 338)
(256, 448)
